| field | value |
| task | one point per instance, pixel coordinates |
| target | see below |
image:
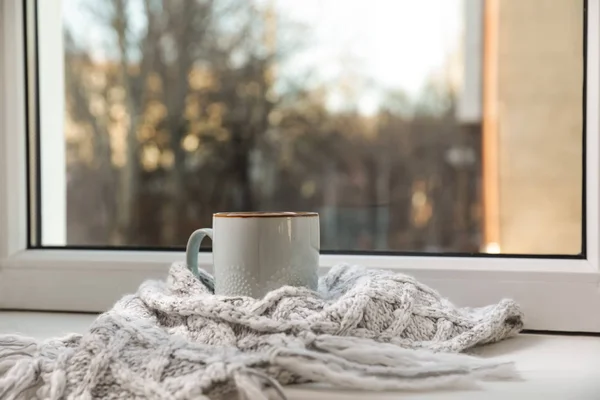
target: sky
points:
(396, 42)
(391, 44)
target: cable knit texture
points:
(363, 329)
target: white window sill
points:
(552, 367)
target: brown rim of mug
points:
(265, 214)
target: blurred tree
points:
(188, 113)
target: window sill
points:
(552, 367)
(92, 280)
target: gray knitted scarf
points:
(364, 329)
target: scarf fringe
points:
(344, 362)
(19, 369)
(363, 364)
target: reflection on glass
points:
(374, 113)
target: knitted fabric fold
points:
(363, 329)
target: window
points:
(429, 136)
(174, 110)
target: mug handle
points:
(193, 247)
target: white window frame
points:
(556, 294)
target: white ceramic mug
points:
(256, 252)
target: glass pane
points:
(421, 126)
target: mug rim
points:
(265, 214)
